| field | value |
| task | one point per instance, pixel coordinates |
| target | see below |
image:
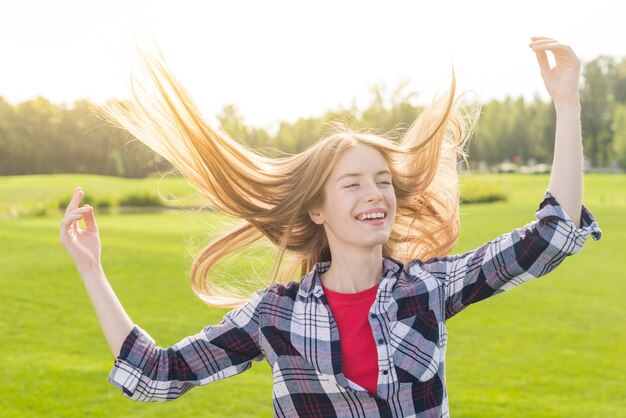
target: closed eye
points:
(356, 184)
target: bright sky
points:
(279, 60)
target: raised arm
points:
(142, 370)
(563, 222)
(84, 248)
(561, 81)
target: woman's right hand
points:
(83, 245)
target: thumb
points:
(90, 221)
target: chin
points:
(375, 242)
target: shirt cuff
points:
(550, 209)
(134, 355)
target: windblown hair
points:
(272, 196)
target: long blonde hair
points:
(273, 195)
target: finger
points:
(80, 213)
(537, 38)
(558, 50)
(562, 53)
(555, 48)
(544, 41)
(82, 209)
(71, 218)
(542, 59)
(90, 220)
(78, 195)
(547, 47)
(67, 220)
(69, 223)
(552, 47)
(75, 215)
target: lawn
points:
(553, 347)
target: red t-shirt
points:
(358, 348)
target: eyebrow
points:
(378, 173)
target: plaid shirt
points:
(291, 326)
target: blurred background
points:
(273, 74)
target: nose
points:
(373, 193)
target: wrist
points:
(573, 103)
(94, 270)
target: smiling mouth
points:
(375, 218)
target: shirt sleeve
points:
(145, 372)
(514, 258)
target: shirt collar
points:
(311, 284)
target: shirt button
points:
(373, 316)
(380, 341)
(385, 372)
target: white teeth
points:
(378, 215)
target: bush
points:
(103, 203)
(140, 199)
(29, 209)
(481, 190)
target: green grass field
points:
(554, 347)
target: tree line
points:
(38, 137)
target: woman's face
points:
(360, 183)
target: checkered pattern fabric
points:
(291, 327)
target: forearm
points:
(115, 323)
(566, 180)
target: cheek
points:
(345, 214)
(391, 199)
(339, 210)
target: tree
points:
(9, 145)
(37, 136)
(619, 134)
(597, 99)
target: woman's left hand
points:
(561, 80)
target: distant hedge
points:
(481, 190)
(140, 199)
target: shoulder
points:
(418, 289)
(436, 267)
(277, 303)
(279, 291)
(418, 277)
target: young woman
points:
(369, 221)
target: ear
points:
(316, 216)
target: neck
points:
(354, 272)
